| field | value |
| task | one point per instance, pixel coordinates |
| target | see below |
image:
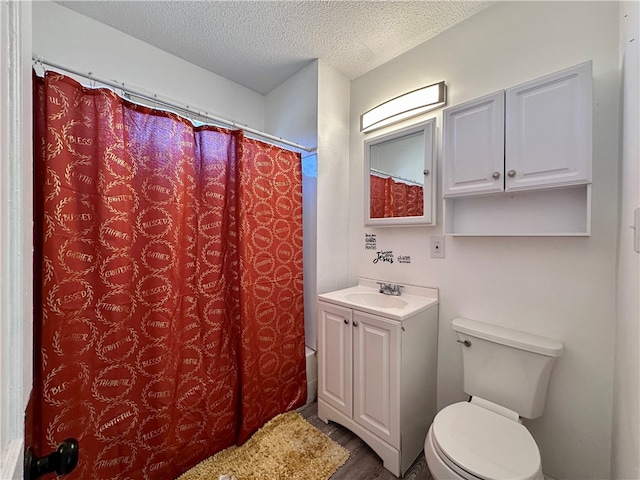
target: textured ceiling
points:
(259, 44)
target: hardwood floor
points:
(363, 463)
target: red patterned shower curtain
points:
(169, 309)
(389, 198)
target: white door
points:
(473, 148)
(335, 356)
(15, 232)
(549, 129)
(376, 402)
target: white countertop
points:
(365, 297)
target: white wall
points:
(626, 405)
(562, 288)
(291, 109)
(333, 179)
(67, 38)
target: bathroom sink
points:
(365, 297)
(375, 299)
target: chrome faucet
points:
(390, 289)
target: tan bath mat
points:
(286, 448)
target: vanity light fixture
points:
(405, 106)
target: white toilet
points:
(506, 373)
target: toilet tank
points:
(505, 366)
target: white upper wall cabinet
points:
(519, 161)
(534, 135)
(473, 149)
(548, 130)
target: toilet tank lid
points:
(509, 337)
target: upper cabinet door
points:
(548, 130)
(473, 149)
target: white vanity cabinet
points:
(377, 377)
(360, 377)
(533, 137)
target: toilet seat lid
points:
(485, 443)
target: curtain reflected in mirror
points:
(394, 198)
(396, 177)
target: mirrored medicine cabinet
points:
(399, 181)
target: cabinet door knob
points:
(355, 324)
(511, 173)
(426, 172)
(496, 175)
(346, 322)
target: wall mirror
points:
(400, 177)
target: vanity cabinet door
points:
(376, 349)
(549, 129)
(335, 356)
(473, 150)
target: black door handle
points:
(62, 461)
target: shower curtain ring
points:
(38, 65)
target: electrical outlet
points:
(437, 247)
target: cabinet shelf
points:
(548, 212)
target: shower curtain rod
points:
(175, 106)
(406, 180)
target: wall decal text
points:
(370, 241)
(384, 257)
